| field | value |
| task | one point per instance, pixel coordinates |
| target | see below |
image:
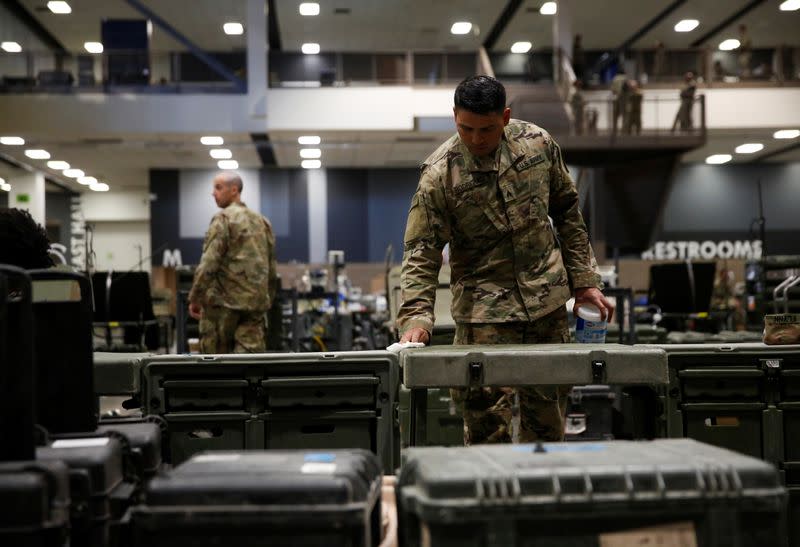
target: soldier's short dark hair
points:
(481, 95)
(23, 242)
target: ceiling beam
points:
(195, 50)
(33, 24)
(651, 24)
(727, 21)
(773, 153)
(273, 30)
(500, 25)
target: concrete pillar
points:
(27, 192)
(257, 58)
(317, 216)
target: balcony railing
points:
(181, 72)
(756, 67)
(112, 71)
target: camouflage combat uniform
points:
(235, 281)
(510, 279)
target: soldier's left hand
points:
(591, 295)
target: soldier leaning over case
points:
(236, 279)
(488, 191)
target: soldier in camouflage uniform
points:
(235, 281)
(489, 191)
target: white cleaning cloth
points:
(397, 346)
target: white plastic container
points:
(590, 328)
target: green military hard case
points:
(522, 365)
(275, 400)
(744, 396)
(586, 494)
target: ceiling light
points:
(787, 134)
(86, 181)
(37, 154)
(310, 153)
(99, 187)
(790, 5)
(729, 44)
(12, 141)
(11, 47)
(57, 165)
(718, 159)
(228, 164)
(313, 140)
(548, 8)
(221, 154)
(461, 27)
(93, 47)
(233, 29)
(521, 47)
(686, 25)
(749, 148)
(73, 173)
(211, 141)
(309, 8)
(311, 164)
(59, 6)
(310, 48)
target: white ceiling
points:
(370, 26)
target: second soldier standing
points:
(235, 282)
(488, 191)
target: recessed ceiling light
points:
(461, 27)
(73, 173)
(549, 8)
(220, 153)
(521, 47)
(790, 5)
(37, 154)
(11, 47)
(310, 153)
(86, 181)
(729, 44)
(311, 164)
(749, 148)
(309, 139)
(233, 29)
(719, 159)
(211, 141)
(59, 6)
(309, 8)
(686, 25)
(93, 47)
(787, 134)
(228, 164)
(99, 187)
(57, 165)
(12, 141)
(310, 48)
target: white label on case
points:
(318, 468)
(217, 458)
(81, 443)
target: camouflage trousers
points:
(488, 411)
(223, 330)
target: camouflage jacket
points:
(237, 269)
(505, 259)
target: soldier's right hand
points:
(416, 334)
(195, 310)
